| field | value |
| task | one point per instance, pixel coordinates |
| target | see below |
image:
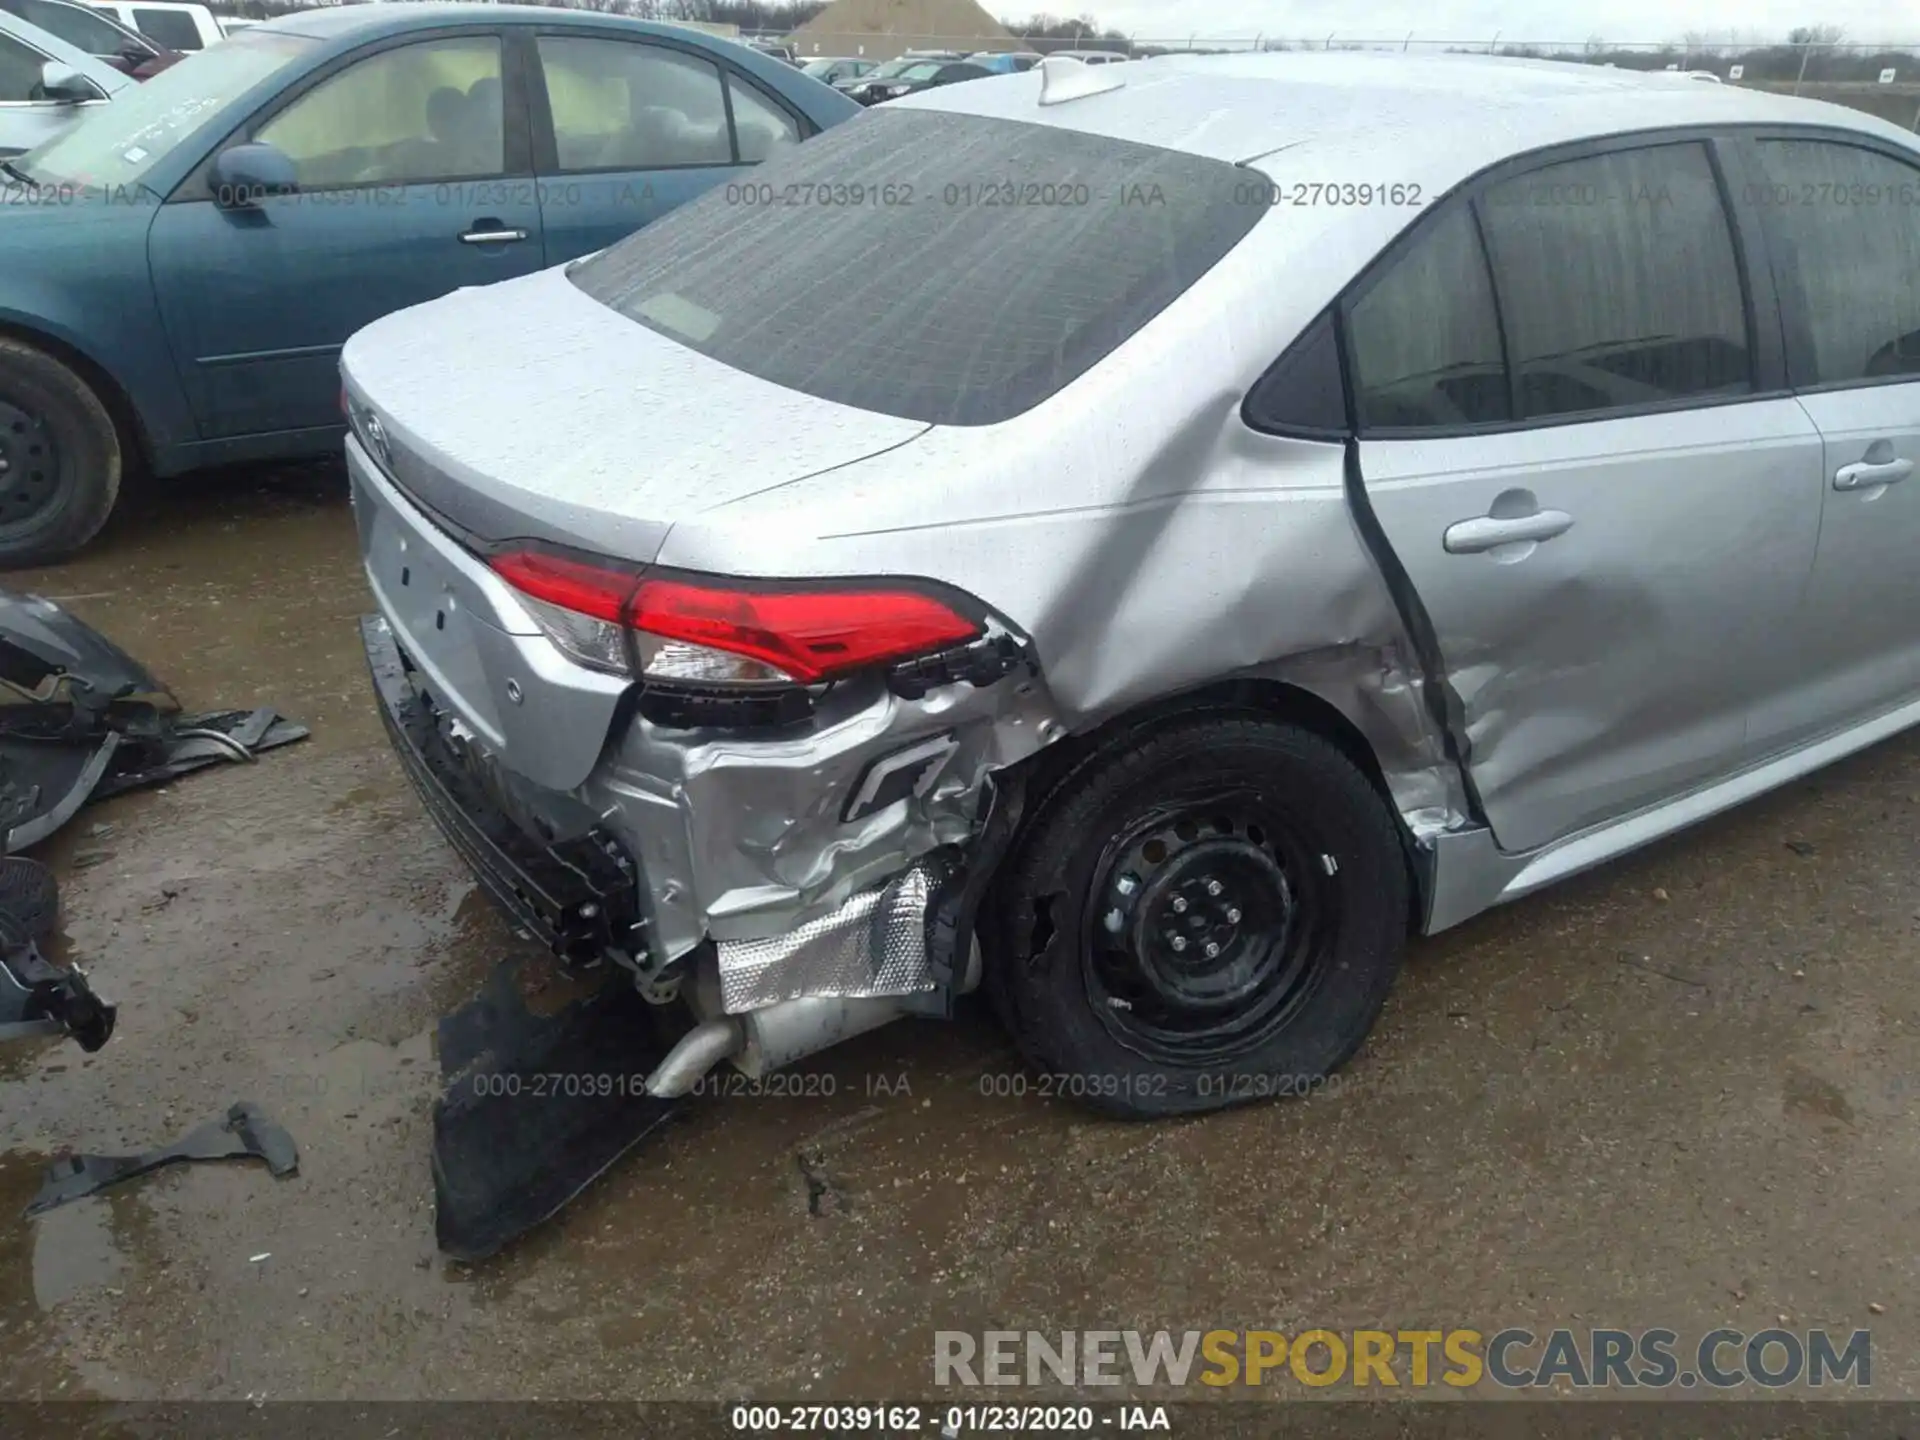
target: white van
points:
(177, 27)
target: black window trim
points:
(198, 184)
(1795, 324)
(546, 149)
(1751, 262)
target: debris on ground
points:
(81, 720)
(243, 1131)
(38, 997)
(527, 1119)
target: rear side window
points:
(953, 269)
(1426, 337)
(1845, 226)
(618, 105)
(1618, 283)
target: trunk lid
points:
(529, 410)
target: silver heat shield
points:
(875, 944)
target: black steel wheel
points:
(1203, 913)
(29, 464)
(60, 458)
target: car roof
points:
(335, 22)
(1377, 108)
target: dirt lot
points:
(1680, 1092)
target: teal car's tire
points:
(60, 458)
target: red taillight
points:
(570, 584)
(708, 632)
(809, 634)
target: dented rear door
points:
(1566, 444)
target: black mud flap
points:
(536, 1107)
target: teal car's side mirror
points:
(244, 175)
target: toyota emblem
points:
(377, 440)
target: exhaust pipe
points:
(695, 1053)
(776, 1036)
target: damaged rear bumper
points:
(581, 899)
(905, 940)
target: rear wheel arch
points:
(1279, 701)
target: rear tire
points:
(1260, 840)
(60, 458)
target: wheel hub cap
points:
(1202, 926)
(1209, 924)
(29, 463)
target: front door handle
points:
(496, 235)
(1485, 532)
(1864, 474)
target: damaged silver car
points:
(1147, 540)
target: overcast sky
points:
(1892, 21)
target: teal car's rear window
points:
(953, 269)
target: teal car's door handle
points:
(493, 233)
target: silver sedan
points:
(1149, 539)
(45, 86)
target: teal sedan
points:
(179, 271)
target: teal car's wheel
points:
(60, 458)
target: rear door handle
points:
(1864, 474)
(495, 235)
(1471, 537)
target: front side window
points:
(172, 28)
(19, 72)
(407, 116)
(1425, 338)
(1845, 225)
(1618, 283)
(618, 105)
(907, 290)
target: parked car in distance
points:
(920, 75)
(224, 227)
(100, 36)
(774, 48)
(883, 70)
(1094, 57)
(1355, 627)
(832, 69)
(45, 85)
(185, 28)
(1004, 62)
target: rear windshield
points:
(952, 269)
